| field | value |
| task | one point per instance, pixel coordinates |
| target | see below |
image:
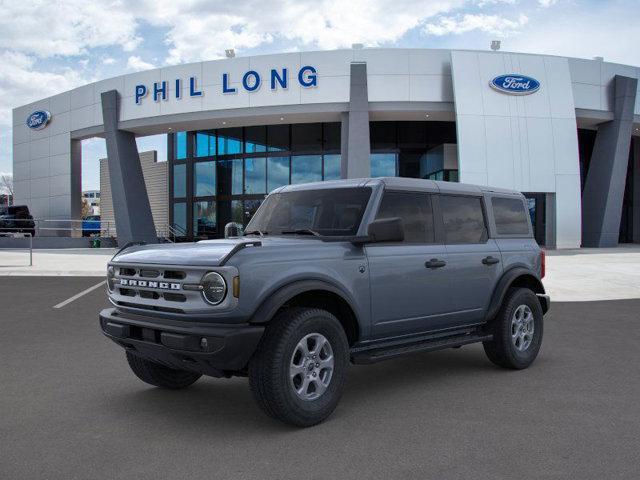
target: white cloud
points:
(547, 3)
(587, 37)
(21, 83)
(108, 61)
(324, 24)
(491, 24)
(136, 63)
(71, 27)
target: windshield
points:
(326, 212)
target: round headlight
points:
(111, 273)
(214, 288)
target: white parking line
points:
(77, 296)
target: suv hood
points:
(207, 253)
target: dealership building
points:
(564, 131)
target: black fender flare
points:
(505, 282)
(283, 294)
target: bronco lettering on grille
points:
(145, 283)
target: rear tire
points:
(517, 330)
(298, 372)
(159, 375)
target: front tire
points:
(298, 372)
(159, 375)
(517, 330)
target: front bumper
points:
(211, 349)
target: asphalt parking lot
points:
(70, 408)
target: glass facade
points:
(399, 148)
(222, 175)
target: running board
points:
(364, 357)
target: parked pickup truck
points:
(17, 219)
(330, 273)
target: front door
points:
(409, 283)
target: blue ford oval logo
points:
(515, 84)
(38, 119)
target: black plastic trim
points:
(508, 277)
(228, 347)
(276, 300)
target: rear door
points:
(475, 263)
(408, 279)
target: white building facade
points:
(561, 130)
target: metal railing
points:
(50, 228)
(74, 228)
(171, 232)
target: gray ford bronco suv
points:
(331, 273)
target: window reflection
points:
(255, 175)
(180, 146)
(180, 180)
(205, 144)
(237, 211)
(180, 216)
(229, 141)
(255, 139)
(230, 177)
(277, 172)
(332, 167)
(204, 218)
(306, 168)
(383, 164)
(204, 182)
(250, 207)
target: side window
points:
(463, 219)
(415, 211)
(510, 216)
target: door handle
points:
(435, 263)
(490, 260)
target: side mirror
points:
(232, 230)
(386, 230)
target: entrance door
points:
(409, 284)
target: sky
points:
(48, 47)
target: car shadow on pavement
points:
(228, 403)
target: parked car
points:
(91, 225)
(17, 219)
(330, 273)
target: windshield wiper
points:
(302, 231)
(254, 232)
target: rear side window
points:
(510, 216)
(463, 219)
(415, 211)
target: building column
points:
(636, 190)
(604, 187)
(355, 144)
(131, 208)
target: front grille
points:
(174, 275)
(156, 308)
(148, 294)
(174, 297)
(149, 273)
(161, 288)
